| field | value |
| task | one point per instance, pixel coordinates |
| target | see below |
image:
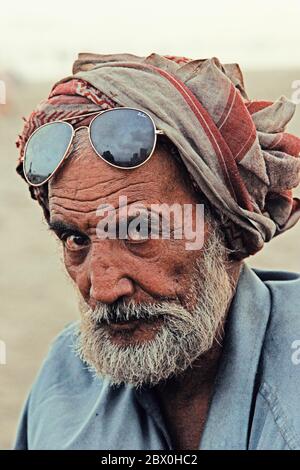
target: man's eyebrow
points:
(58, 226)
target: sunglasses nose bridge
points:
(71, 143)
(74, 133)
(81, 127)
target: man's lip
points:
(130, 324)
(126, 325)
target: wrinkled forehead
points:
(86, 180)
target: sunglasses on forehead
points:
(123, 137)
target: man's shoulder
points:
(62, 368)
(284, 288)
(280, 357)
(63, 347)
(278, 278)
(66, 338)
(284, 320)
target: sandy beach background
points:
(37, 299)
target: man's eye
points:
(75, 242)
(138, 233)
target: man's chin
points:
(146, 353)
(129, 355)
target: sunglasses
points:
(123, 137)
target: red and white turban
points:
(235, 149)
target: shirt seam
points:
(156, 419)
(286, 430)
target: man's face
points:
(140, 297)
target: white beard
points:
(182, 337)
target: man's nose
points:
(109, 280)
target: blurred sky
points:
(40, 40)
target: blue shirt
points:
(255, 404)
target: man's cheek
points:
(78, 273)
(75, 258)
(71, 270)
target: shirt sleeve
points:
(21, 441)
(29, 421)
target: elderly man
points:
(179, 346)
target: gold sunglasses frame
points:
(67, 153)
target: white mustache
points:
(106, 314)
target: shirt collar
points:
(229, 417)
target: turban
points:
(235, 150)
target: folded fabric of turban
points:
(236, 150)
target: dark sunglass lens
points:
(45, 150)
(123, 137)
